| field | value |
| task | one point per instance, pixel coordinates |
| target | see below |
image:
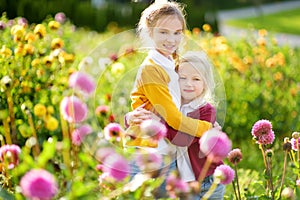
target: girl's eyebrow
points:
(164, 29)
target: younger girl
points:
(196, 86)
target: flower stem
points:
(11, 116)
(269, 162)
(234, 189)
(211, 190)
(264, 155)
(204, 170)
(36, 148)
(284, 171)
(237, 180)
(7, 131)
(66, 144)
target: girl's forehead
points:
(169, 22)
(186, 67)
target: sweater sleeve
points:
(206, 113)
(153, 83)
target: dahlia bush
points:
(62, 116)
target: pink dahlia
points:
(262, 132)
(83, 82)
(103, 153)
(102, 110)
(153, 128)
(224, 173)
(60, 17)
(38, 184)
(73, 110)
(235, 156)
(10, 154)
(175, 186)
(294, 144)
(79, 134)
(215, 144)
(149, 161)
(116, 166)
(113, 131)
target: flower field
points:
(65, 90)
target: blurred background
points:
(99, 14)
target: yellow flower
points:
(278, 76)
(293, 91)
(30, 37)
(39, 110)
(54, 25)
(5, 52)
(40, 30)
(270, 62)
(50, 109)
(117, 68)
(48, 60)
(18, 32)
(262, 32)
(207, 28)
(40, 72)
(29, 48)
(66, 57)
(57, 43)
(261, 41)
(20, 51)
(35, 62)
(51, 123)
(196, 31)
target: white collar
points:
(196, 103)
(161, 60)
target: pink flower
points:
(224, 173)
(175, 186)
(104, 152)
(153, 128)
(294, 143)
(215, 144)
(102, 110)
(149, 161)
(262, 132)
(73, 110)
(79, 134)
(113, 131)
(116, 166)
(266, 138)
(83, 82)
(38, 184)
(10, 154)
(235, 156)
(60, 17)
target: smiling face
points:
(167, 34)
(191, 82)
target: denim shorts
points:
(218, 194)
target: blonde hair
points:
(155, 11)
(200, 61)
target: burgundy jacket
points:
(207, 113)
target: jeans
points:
(218, 194)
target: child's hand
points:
(137, 116)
